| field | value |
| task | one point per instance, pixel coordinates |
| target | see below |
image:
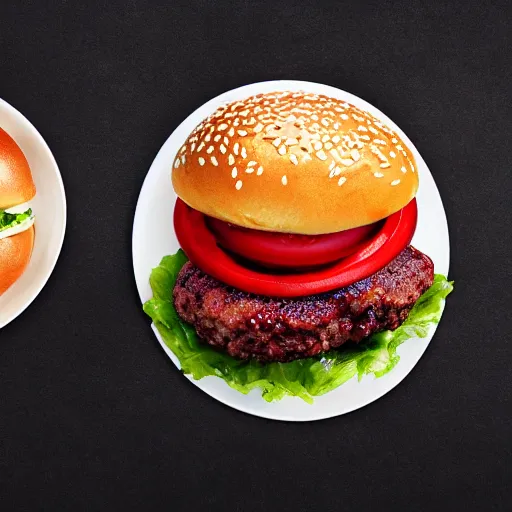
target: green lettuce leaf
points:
(9, 220)
(304, 378)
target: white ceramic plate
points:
(154, 239)
(49, 206)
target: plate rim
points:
(62, 194)
(280, 84)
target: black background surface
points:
(93, 416)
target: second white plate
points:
(154, 237)
(49, 206)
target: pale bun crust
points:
(329, 168)
(16, 183)
(15, 253)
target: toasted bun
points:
(294, 163)
(16, 184)
(15, 252)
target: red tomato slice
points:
(286, 250)
(201, 247)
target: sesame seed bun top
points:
(294, 163)
(16, 184)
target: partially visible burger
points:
(295, 211)
(16, 219)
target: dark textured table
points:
(94, 416)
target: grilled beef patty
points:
(273, 329)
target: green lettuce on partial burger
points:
(10, 220)
(304, 378)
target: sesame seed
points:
(341, 181)
(325, 138)
(364, 137)
(379, 141)
(235, 148)
(183, 159)
(395, 182)
(392, 154)
(259, 172)
(294, 160)
(201, 160)
(344, 117)
(201, 146)
(226, 141)
(335, 154)
(276, 142)
(249, 170)
(238, 184)
(336, 139)
(332, 165)
(231, 159)
(284, 180)
(210, 149)
(378, 174)
(208, 137)
(282, 150)
(355, 155)
(243, 153)
(321, 155)
(325, 122)
(231, 132)
(382, 157)
(242, 133)
(347, 161)
(373, 130)
(258, 128)
(217, 138)
(362, 128)
(234, 172)
(214, 161)
(292, 141)
(176, 163)
(412, 167)
(385, 165)
(394, 140)
(222, 149)
(192, 147)
(336, 126)
(317, 145)
(236, 122)
(403, 169)
(222, 127)
(314, 117)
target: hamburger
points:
(16, 218)
(295, 212)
